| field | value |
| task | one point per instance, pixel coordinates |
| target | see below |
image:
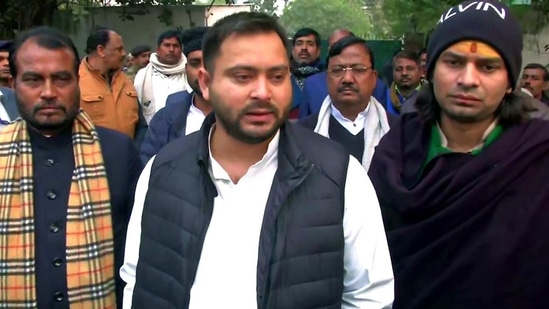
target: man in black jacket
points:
(67, 186)
(252, 211)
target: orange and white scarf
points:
(89, 252)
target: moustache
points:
(462, 92)
(346, 88)
(42, 106)
(259, 105)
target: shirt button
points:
(51, 195)
(59, 296)
(49, 162)
(54, 228)
(57, 262)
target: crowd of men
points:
(233, 168)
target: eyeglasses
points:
(357, 70)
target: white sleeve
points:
(368, 281)
(133, 238)
(138, 84)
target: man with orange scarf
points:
(66, 187)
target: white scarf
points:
(376, 126)
(147, 94)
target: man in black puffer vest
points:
(252, 211)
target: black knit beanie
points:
(192, 39)
(486, 21)
(136, 51)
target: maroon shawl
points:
(469, 231)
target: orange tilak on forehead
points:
(474, 47)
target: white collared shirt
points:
(195, 118)
(368, 281)
(4, 116)
(354, 127)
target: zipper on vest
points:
(262, 299)
(211, 193)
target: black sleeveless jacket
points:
(301, 247)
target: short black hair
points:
(347, 41)
(514, 109)
(99, 36)
(5, 45)
(238, 24)
(422, 51)
(406, 54)
(306, 32)
(45, 37)
(170, 34)
(539, 66)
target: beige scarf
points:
(89, 252)
(147, 94)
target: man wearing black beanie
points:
(462, 182)
(184, 112)
(139, 58)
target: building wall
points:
(145, 26)
(219, 11)
(534, 48)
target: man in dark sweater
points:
(462, 182)
(67, 187)
(252, 211)
(350, 114)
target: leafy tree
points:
(18, 15)
(22, 14)
(401, 16)
(326, 15)
(170, 2)
(266, 6)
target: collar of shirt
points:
(4, 117)
(438, 144)
(271, 157)
(193, 109)
(353, 127)
(109, 78)
(411, 92)
(444, 141)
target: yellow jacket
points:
(113, 106)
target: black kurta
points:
(53, 164)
